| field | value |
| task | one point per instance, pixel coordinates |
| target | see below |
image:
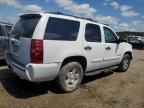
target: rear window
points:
(25, 26)
(61, 29)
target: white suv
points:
(54, 46)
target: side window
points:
(1, 31)
(92, 33)
(61, 29)
(110, 37)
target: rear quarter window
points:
(61, 29)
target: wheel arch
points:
(129, 53)
(80, 59)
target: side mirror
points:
(122, 40)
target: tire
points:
(70, 76)
(124, 65)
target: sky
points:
(121, 15)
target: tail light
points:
(36, 51)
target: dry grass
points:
(113, 90)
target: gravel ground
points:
(111, 90)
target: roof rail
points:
(56, 12)
(89, 19)
(86, 19)
(60, 13)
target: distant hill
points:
(130, 33)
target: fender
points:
(127, 48)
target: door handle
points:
(108, 48)
(88, 48)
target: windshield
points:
(25, 26)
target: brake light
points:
(36, 51)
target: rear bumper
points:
(35, 72)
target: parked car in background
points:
(54, 46)
(137, 41)
(125, 38)
(4, 37)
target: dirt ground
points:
(112, 90)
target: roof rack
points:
(89, 19)
(56, 12)
(8, 23)
(60, 13)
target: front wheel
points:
(124, 65)
(70, 76)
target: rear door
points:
(93, 47)
(21, 36)
(113, 50)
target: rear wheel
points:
(124, 65)
(70, 76)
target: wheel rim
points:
(126, 63)
(72, 78)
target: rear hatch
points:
(21, 36)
